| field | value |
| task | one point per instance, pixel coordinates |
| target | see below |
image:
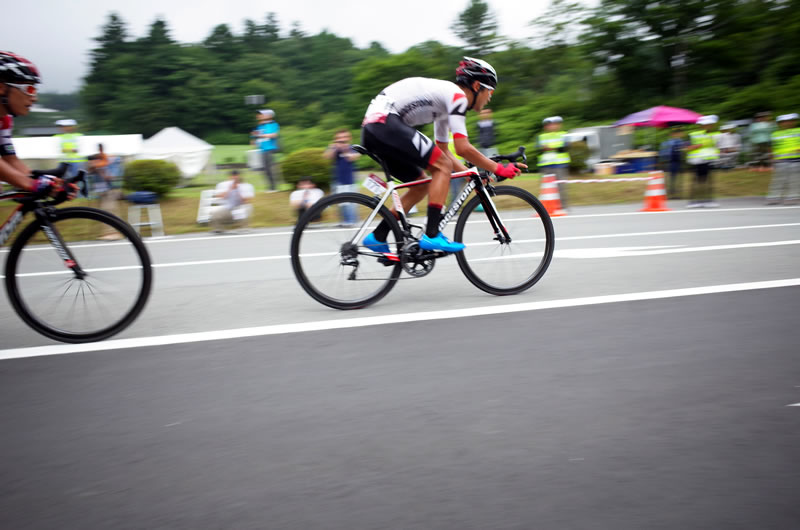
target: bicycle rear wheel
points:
(54, 301)
(502, 268)
(329, 259)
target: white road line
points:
(630, 252)
(174, 239)
(559, 238)
(576, 253)
(795, 405)
(301, 327)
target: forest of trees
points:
(590, 65)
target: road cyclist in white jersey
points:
(389, 131)
(18, 80)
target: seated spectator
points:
(235, 197)
(305, 196)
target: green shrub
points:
(307, 163)
(158, 176)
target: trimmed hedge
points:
(158, 176)
(307, 163)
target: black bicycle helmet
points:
(470, 70)
(16, 69)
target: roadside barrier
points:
(655, 195)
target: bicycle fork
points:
(60, 247)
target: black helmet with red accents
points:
(16, 69)
(470, 69)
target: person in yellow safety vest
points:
(703, 155)
(554, 157)
(786, 156)
(70, 146)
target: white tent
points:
(189, 153)
(49, 147)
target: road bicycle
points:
(73, 274)
(508, 235)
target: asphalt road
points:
(642, 411)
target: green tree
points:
(477, 26)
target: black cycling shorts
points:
(406, 151)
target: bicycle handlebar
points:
(77, 179)
(519, 153)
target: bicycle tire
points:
(308, 242)
(96, 222)
(528, 224)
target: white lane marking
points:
(794, 405)
(628, 252)
(322, 325)
(673, 212)
(174, 239)
(564, 238)
(576, 253)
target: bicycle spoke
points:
(331, 263)
(510, 266)
(76, 309)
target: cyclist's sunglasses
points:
(26, 89)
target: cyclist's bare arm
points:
(15, 172)
(457, 164)
(467, 151)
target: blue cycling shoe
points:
(440, 243)
(372, 243)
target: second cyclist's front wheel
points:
(505, 267)
(91, 289)
(330, 260)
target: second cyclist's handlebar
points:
(79, 179)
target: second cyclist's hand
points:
(53, 186)
(507, 170)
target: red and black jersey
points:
(6, 128)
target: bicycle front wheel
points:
(329, 259)
(70, 307)
(498, 267)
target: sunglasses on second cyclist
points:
(29, 90)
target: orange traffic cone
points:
(655, 196)
(550, 197)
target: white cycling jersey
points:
(6, 128)
(419, 101)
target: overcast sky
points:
(57, 35)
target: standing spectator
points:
(486, 132)
(236, 196)
(265, 137)
(703, 155)
(554, 156)
(671, 155)
(69, 139)
(104, 187)
(304, 196)
(729, 143)
(343, 157)
(786, 153)
(760, 136)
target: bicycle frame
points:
(42, 215)
(475, 181)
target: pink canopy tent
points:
(661, 116)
